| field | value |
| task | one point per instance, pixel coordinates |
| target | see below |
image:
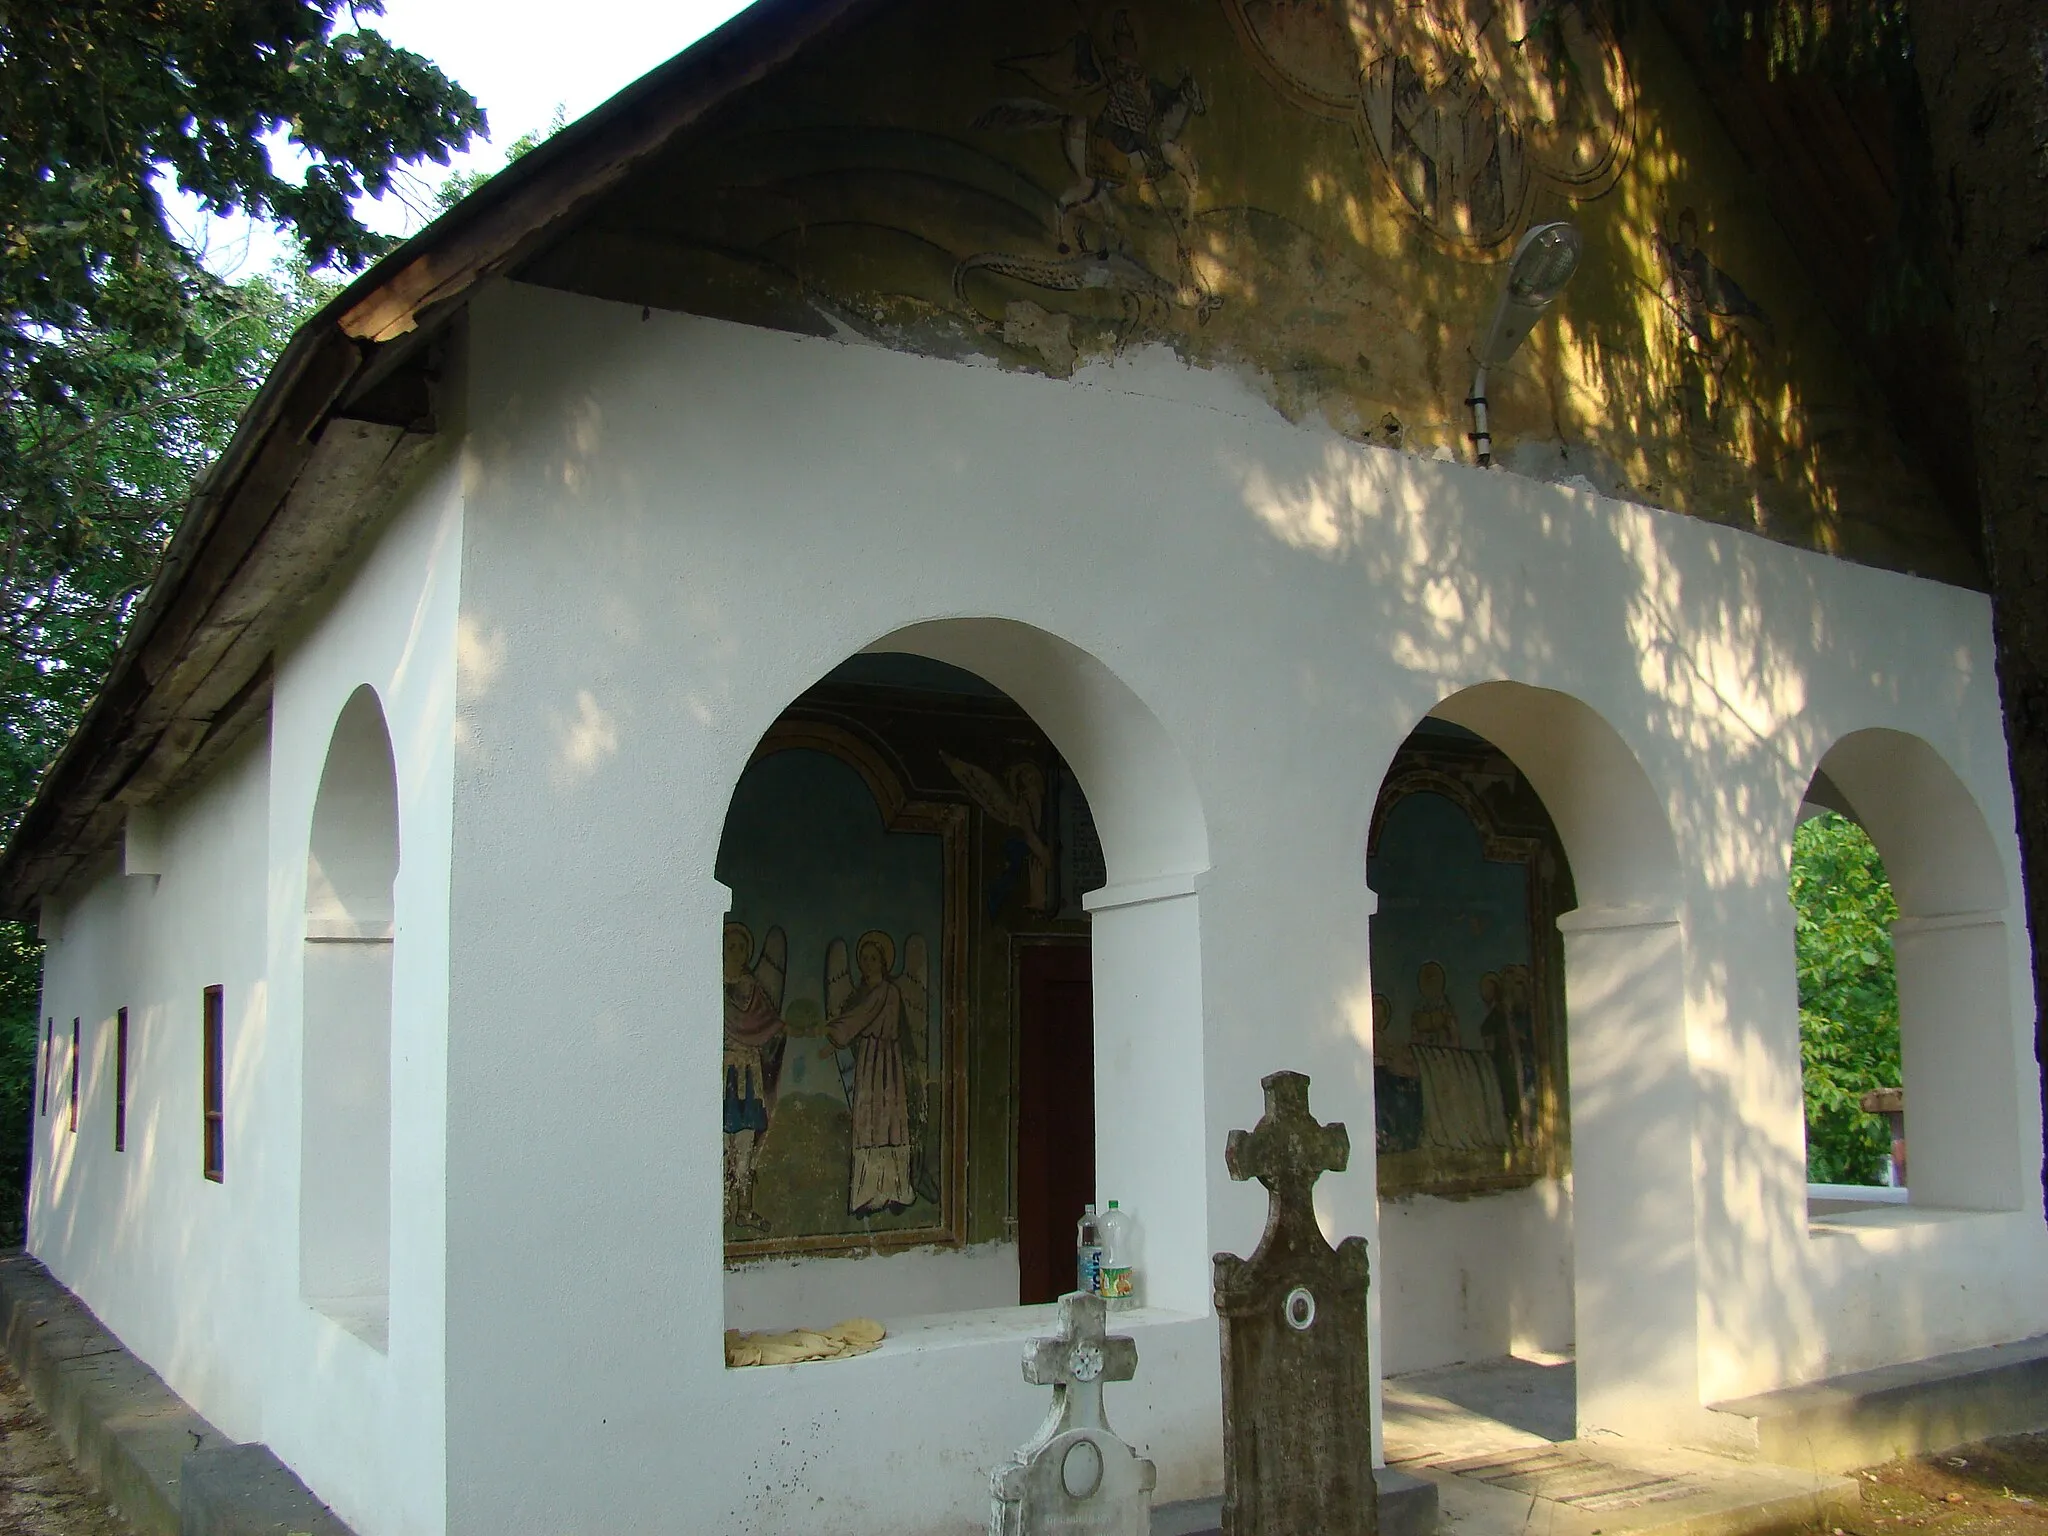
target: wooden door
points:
(1055, 1114)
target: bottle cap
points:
(1112, 1205)
(1090, 1211)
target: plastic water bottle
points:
(1088, 1252)
(1119, 1271)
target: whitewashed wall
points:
(201, 1279)
(665, 529)
(1475, 1279)
(674, 526)
(815, 1292)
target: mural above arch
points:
(1471, 107)
(1315, 194)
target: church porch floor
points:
(1498, 1440)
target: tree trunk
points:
(1983, 68)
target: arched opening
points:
(1906, 1034)
(1472, 1133)
(941, 990)
(1532, 1088)
(345, 1136)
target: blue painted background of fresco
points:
(1442, 899)
(805, 849)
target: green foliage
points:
(1848, 996)
(21, 961)
(127, 461)
(460, 184)
(1845, 38)
(124, 365)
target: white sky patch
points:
(521, 58)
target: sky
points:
(522, 59)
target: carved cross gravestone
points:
(1075, 1477)
(1297, 1426)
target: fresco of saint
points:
(754, 1042)
(876, 1026)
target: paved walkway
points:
(1497, 1440)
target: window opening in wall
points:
(1911, 1041)
(49, 1052)
(1471, 1118)
(212, 1097)
(345, 1131)
(121, 1080)
(907, 1084)
(1843, 910)
(73, 1110)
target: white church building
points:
(950, 539)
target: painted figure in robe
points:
(1397, 1087)
(1461, 1100)
(754, 1043)
(1503, 1042)
(879, 1022)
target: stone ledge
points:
(1871, 1416)
(160, 1464)
(1408, 1507)
(243, 1490)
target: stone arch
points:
(1630, 1089)
(1608, 814)
(1145, 936)
(1141, 790)
(345, 1129)
(1953, 957)
(1146, 926)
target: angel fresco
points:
(1713, 314)
(1471, 105)
(755, 1038)
(1121, 224)
(1121, 129)
(1016, 801)
(876, 1025)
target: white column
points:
(1960, 1058)
(1632, 1110)
(1149, 1114)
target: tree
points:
(122, 362)
(124, 365)
(1848, 995)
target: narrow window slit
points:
(211, 1068)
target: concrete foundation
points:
(1898, 1410)
(165, 1469)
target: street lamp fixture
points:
(1542, 264)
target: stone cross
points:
(1297, 1415)
(1075, 1477)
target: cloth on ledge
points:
(855, 1336)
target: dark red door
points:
(1055, 1114)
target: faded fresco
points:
(1317, 194)
(1467, 979)
(888, 849)
(837, 1055)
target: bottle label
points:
(1088, 1271)
(1116, 1282)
